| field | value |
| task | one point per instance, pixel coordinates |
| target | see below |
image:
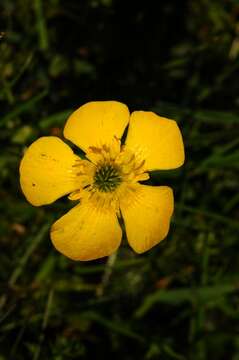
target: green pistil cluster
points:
(107, 178)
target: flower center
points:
(106, 172)
(107, 177)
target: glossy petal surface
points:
(146, 212)
(87, 232)
(46, 171)
(96, 123)
(156, 139)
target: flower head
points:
(107, 182)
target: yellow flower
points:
(107, 181)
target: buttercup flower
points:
(107, 182)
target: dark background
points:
(181, 60)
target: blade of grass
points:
(24, 259)
(231, 203)
(201, 314)
(173, 355)
(55, 119)
(178, 296)
(205, 116)
(218, 161)
(121, 264)
(73, 285)
(44, 324)
(22, 69)
(117, 327)
(22, 108)
(17, 342)
(213, 216)
(41, 25)
(6, 89)
(107, 274)
(45, 269)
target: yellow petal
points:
(46, 171)
(146, 211)
(96, 123)
(87, 232)
(156, 139)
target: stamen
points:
(107, 177)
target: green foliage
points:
(179, 300)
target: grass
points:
(179, 300)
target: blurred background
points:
(181, 60)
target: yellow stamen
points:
(104, 176)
